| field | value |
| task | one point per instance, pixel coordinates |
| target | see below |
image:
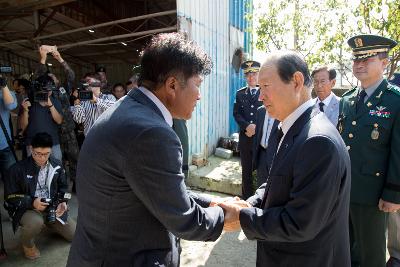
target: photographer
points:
(36, 195)
(42, 113)
(68, 141)
(88, 111)
(8, 102)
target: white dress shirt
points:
(267, 127)
(165, 112)
(326, 101)
(287, 123)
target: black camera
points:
(51, 216)
(84, 92)
(3, 80)
(41, 91)
(5, 69)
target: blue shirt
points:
(5, 116)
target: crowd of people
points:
(304, 201)
(53, 120)
(327, 168)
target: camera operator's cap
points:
(101, 69)
(250, 66)
(368, 45)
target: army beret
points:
(250, 66)
(368, 45)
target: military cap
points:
(250, 66)
(368, 45)
(101, 69)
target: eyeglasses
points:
(322, 82)
(39, 154)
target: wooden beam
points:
(18, 5)
(94, 26)
(44, 24)
(110, 38)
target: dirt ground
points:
(231, 249)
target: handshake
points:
(231, 207)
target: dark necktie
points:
(360, 101)
(253, 91)
(279, 135)
(321, 106)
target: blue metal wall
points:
(208, 23)
(237, 12)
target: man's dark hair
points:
(170, 54)
(289, 63)
(42, 139)
(118, 84)
(25, 83)
(332, 72)
(92, 75)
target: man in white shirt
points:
(324, 80)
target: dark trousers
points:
(245, 148)
(262, 166)
(367, 235)
(6, 160)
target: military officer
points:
(369, 122)
(244, 111)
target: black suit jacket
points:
(133, 202)
(261, 111)
(300, 216)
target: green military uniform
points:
(181, 131)
(371, 131)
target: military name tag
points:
(375, 132)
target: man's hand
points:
(250, 130)
(94, 99)
(43, 55)
(231, 220)
(26, 104)
(61, 208)
(57, 56)
(388, 206)
(39, 205)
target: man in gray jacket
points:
(133, 202)
(324, 80)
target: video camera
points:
(3, 80)
(40, 91)
(53, 204)
(84, 91)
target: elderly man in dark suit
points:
(133, 202)
(300, 215)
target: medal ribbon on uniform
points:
(379, 112)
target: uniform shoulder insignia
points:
(349, 92)
(394, 89)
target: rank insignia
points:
(358, 42)
(379, 96)
(379, 112)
